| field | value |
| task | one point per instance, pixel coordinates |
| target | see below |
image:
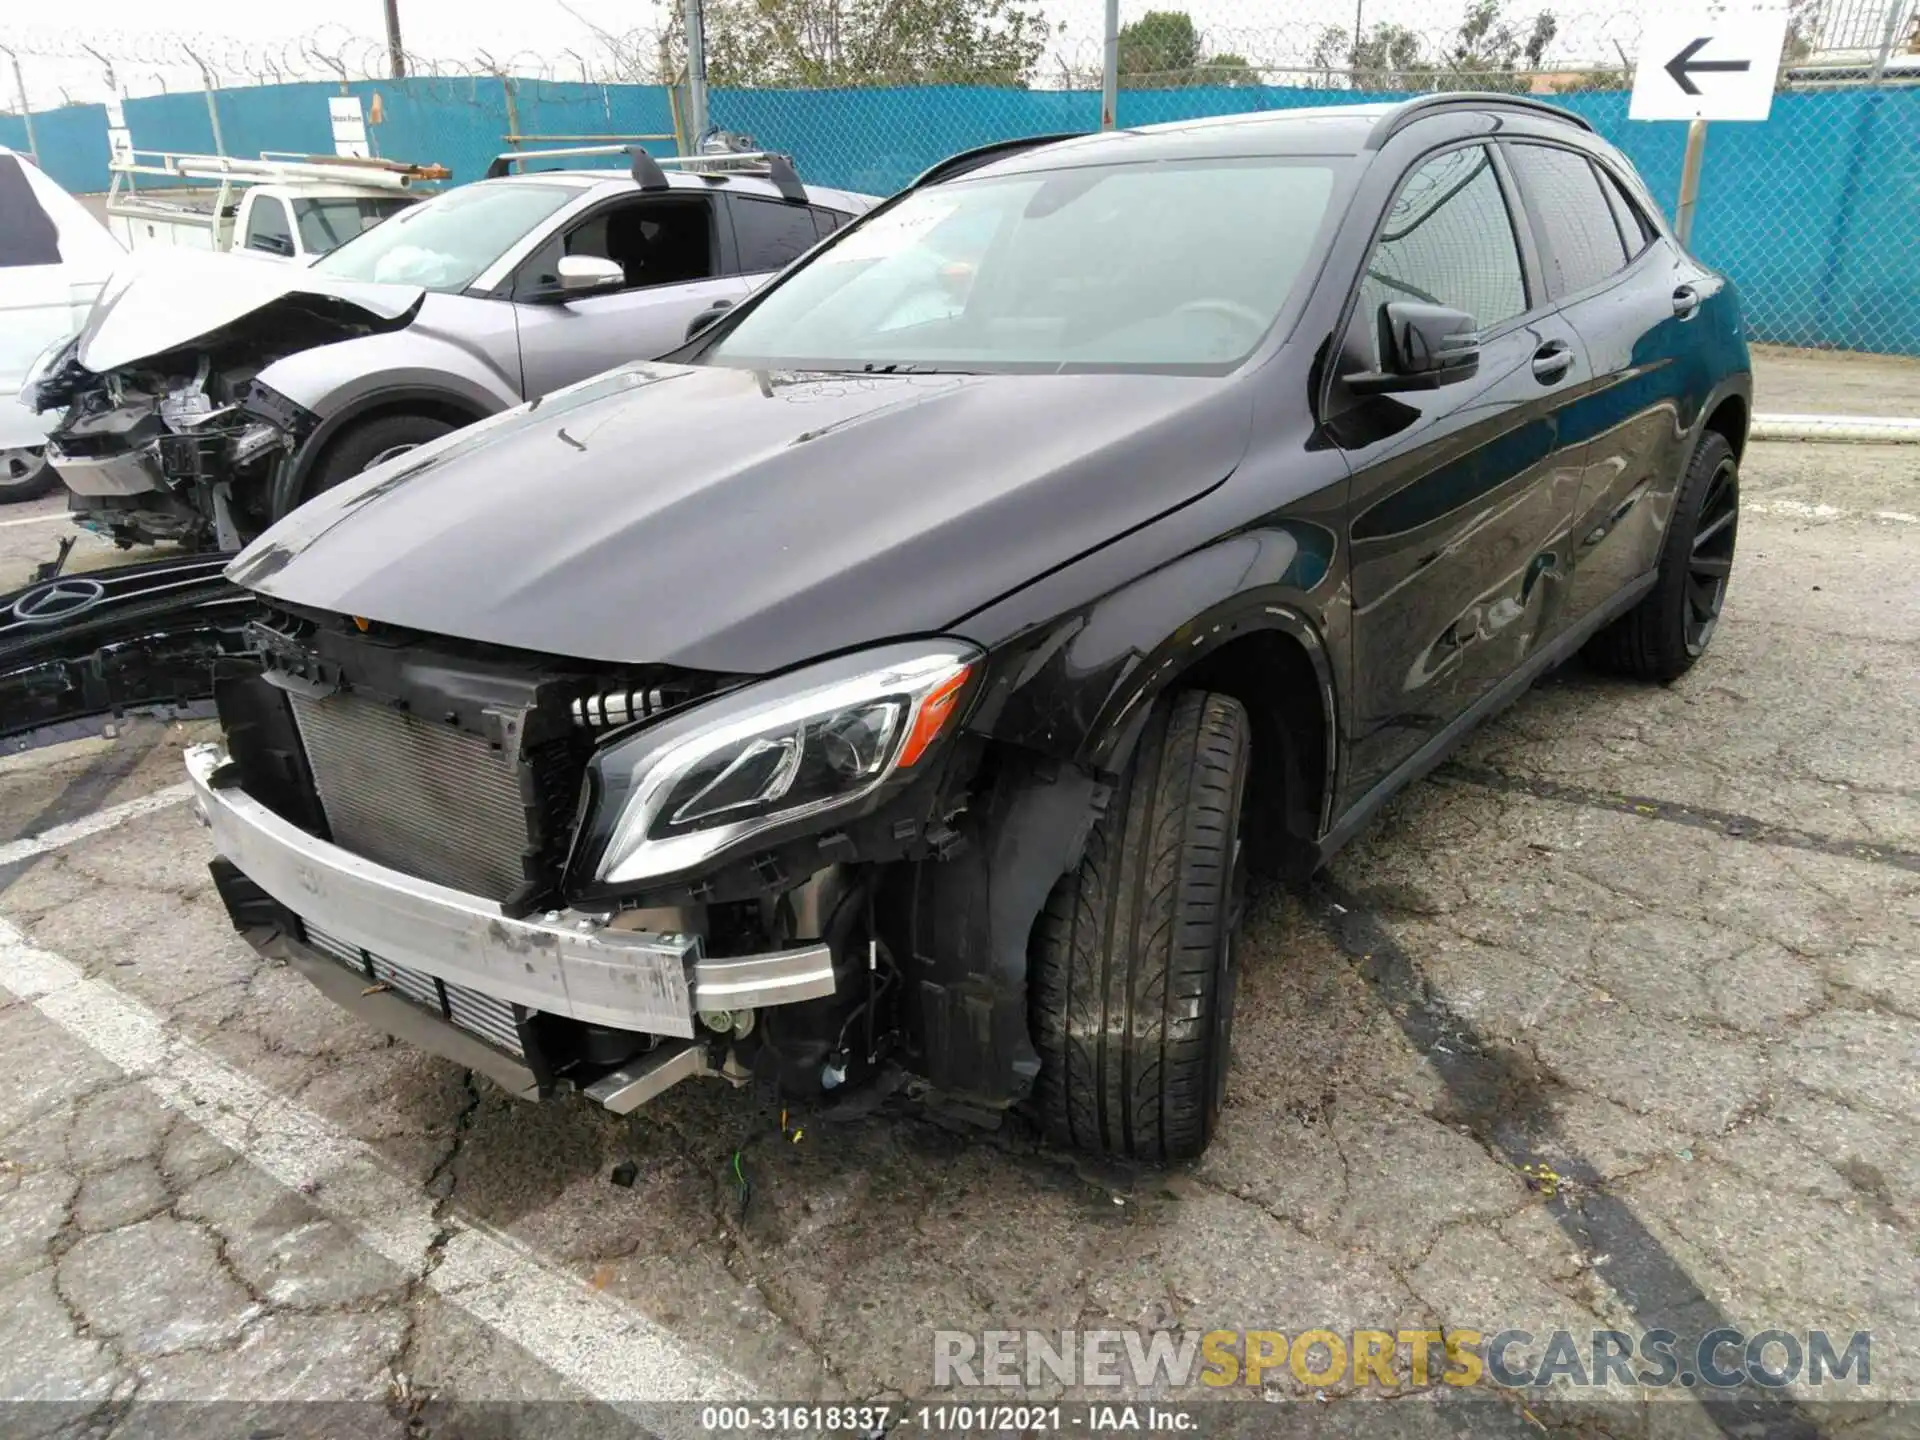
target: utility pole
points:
(696, 75)
(1110, 71)
(396, 52)
(1690, 180)
(26, 110)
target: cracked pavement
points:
(1658, 943)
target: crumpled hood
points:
(164, 299)
(742, 521)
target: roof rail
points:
(980, 155)
(1408, 111)
(649, 171)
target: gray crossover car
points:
(208, 396)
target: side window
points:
(826, 221)
(1448, 240)
(267, 227)
(1634, 229)
(655, 241)
(771, 233)
(1583, 243)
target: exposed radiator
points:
(429, 800)
(492, 1020)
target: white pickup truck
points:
(284, 207)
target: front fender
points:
(1081, 688)
(330, 380)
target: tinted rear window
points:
(1582, 242)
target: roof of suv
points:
(1307, 130)
(614, 182)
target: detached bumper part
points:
(457, 965)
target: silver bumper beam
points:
(559, 963)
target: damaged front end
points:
(183, 444)
(571, 875)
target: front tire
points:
(363, 446)
(25, 474)
(1661, 637)
(1132, 971)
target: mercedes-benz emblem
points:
(58, 600)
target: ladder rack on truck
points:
(234, 191)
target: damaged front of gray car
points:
(169, 426)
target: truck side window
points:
(771, 233)
(657, 242)
(267, 227)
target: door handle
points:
(1552, 361)
(1686, 300)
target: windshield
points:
(444, 243)
(327, 224)
(1173, 265)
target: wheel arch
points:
(1082, 691)
(1729, 417)
(457, 407)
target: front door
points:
(669, 248)
(1461, 495)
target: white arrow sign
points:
(1710, 62)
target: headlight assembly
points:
(43, 365)
(809, 743)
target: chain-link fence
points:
(1814, 212)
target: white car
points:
(54, 259)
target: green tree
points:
(1229, 69)
(1486, 54)
(1158, 50)
(817, 44)
(1163, 50)
(1387, 58)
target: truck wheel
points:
(1132, 958)
(25, 474)
(1661, 637)
(365, 446)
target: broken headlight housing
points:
(814, 742)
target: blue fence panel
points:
(72, 143)
(877, 140)
(1813, 213)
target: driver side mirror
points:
(585, 274)
(1422, 347)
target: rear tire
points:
(1131, 962)
(25, 474)
(1661, 637)
(365, 446)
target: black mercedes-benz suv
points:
(903, 675)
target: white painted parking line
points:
(29, 846)
(1808, 510)
(586, 1337)
(33, 519)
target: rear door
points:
(1632, 295)
(1461, 495)
(769, 235)
(670, 248)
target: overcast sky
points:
(127, 31)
